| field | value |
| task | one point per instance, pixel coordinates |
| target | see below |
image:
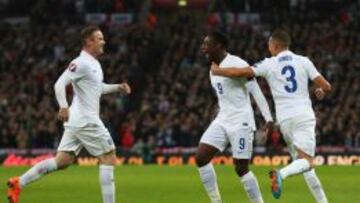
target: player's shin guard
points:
(208, 178)
(252, 187)
(37, 171)
(296, 167)
(315, 187)
(106, 175)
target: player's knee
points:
(108, 159)
(64, 162)
(62, 166)
(241, 169)
(307, 158)
(201, 159)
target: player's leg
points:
(107, 163)
(204, 155)
(315, 186)
(15, 184)
(63, 158)
(299, 134)
(98, 142)
(301, 164)
(241, 144)
(249, 180)
(212, 141)
(310, 176)
(61, 161)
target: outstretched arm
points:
(110, 88)
(232, 71)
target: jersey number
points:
(242, 143)
(291, 78)
(219, 88)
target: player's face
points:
(209, 47)
(97, 42)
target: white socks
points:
(252, 187)
(315, 187)
(37, 171)
(296, 167)
(106, 175)
(208, 178)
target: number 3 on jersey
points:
(290, 77)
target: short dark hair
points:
(86, 32)
(281, 37)
(220, 37)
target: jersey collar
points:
(86, 54)
(285, 52)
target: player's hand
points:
(269, 128)
(124, 88)
(63, 114)
(319, 93)
(214, 68)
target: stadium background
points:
(154, 45)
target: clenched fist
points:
(125, 88)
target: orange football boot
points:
(14, 190)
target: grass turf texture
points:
(180, 184)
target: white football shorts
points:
(299, 132)
(95, 138)
(240, 139)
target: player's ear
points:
(218, 46)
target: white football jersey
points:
(86, 77)
(233, 96)
(288, 75)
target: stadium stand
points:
(172, 101)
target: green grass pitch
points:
(180, 184)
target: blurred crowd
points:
(172, 101)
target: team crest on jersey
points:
(72, 67)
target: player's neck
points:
(89, 52)
(219, 57)
(282, 50)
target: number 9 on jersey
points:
(242, 144)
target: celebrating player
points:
(83, 127)
(287, 75)
(233, 124)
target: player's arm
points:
(262, 104)
(259, 98)
(60, 93)
(323, 87)
(111, 88)
(232, 71)
(74, 72)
